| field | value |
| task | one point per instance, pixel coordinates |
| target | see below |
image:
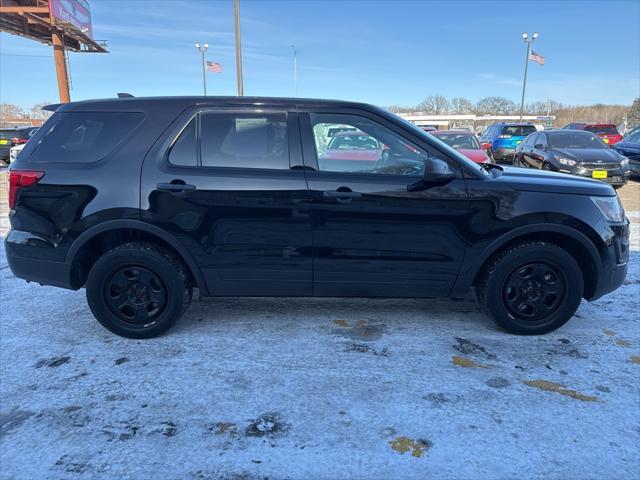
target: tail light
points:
(21, 179)
(504, 136)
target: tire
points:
(546, 167)
(531, 288)
(138, 290)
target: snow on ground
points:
(318, 388)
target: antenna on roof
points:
(125, 95)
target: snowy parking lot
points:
(319, 388)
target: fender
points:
(144, 227)
(469, 273)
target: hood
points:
(366, 155)
(587, 154)
(531, 180)
(476, 155)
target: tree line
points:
(9, 111)
(564, 113)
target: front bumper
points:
(619, 176)
(615, 260)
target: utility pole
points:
(57, 40)
(236, 14)
(528, 40)
(295, 70)
(203, 50)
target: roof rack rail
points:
(125, 95)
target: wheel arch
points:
(81, 254)
(578, 244)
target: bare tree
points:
(11, 111)
(38, 113)
(495, 106)
(434, 105)
(461, 106)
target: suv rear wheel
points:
(531, 288)
(138, 290)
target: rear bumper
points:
(30, 258)
(504, 153)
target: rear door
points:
(372, 235)
(225, 183)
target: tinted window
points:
(464, 141)
(84, 137)
(518, 130)
(574, 139)
(531, 139)
(371, 148)
(603, 129)
(184, 150)
(633, 137)
(244, 140)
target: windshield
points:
(602, 129)
(518, 130)
(471, 165)
(353, 142)
(460, 140)
(573, 139)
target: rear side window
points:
(244, 140)
(518, 130)
(83, 137)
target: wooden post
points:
(61, 65)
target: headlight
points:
(625, 161)
(566, 161)
(610, 207)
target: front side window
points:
(355, 144)
(244, 140)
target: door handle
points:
(341, 195)
(176, 187)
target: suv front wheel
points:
(138, 290)
(531, 288)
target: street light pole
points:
(236, 15)
(295, 70)
(203, 50)
(528, 40)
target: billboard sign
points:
(75, 13)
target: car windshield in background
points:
(7, 133)
(569, 139)
(463, 141)
(353, 142)
(518, 130)
(602, 129)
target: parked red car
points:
(465, 142)
(606, 131)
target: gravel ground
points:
(319, 388)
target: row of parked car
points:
(12, 140)
(586, 149)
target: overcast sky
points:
(382, 52)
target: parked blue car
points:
(504, 138)
(629, 146)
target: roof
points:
(186, 101)
(454, 132)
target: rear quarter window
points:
(84, 137)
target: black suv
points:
(142, 199)
(10, 137)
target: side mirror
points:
(539, 146)
(436, 172)
(486, 146)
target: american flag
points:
(536, 57)
(214, 67)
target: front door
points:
(226, 189)
(373, 235)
